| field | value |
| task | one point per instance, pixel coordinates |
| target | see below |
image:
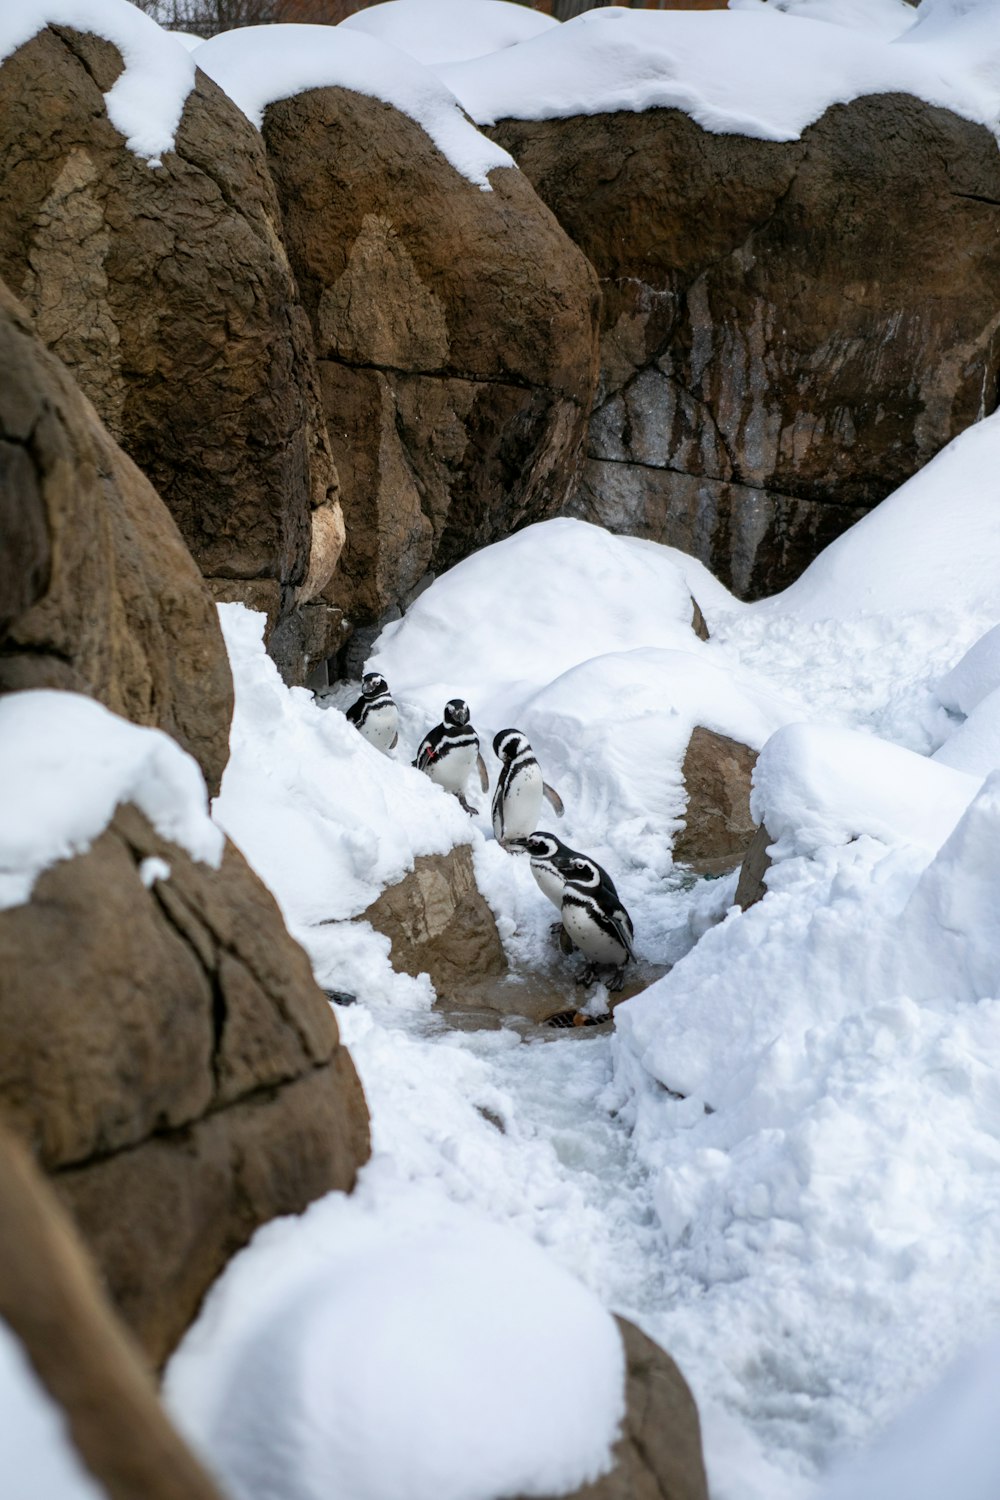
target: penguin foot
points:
(617, 980)
(466, 806)
(587, 974)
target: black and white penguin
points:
(597, 922)
(517, 800)
(374, 715)
(448, 753)
(550, 858)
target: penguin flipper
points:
(484, 780)
(395, 740)
(554, 799)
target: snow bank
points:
(322, 816)
(750, 72)
(517, 615)
(883, 18)
(944, 1445)
(444, 31)
(817, 786)
(258, 65)
(66, 763)
(146, 102)
(390, 1344)
(933, 542)
(37, 1457)
(973, 677)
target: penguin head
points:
(456, 711)
(541, 845)
(508, 743)
(582, 872)
(373, 683)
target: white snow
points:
(37, 1457)
(398, 1345)
(325, 819)
(884, 18)
(443, 31)
(66, 763)
(146, 102)
(258, 65)
(753, 71)
(813, 1229)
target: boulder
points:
(176, 1069)
(51, 1300)
(455, 333)
(751, 886)
(439, 924)
(789, 329)
(166, 290)
(718, 827)
(98, 593)
(659, 1454)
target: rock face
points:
(659, 1455)
(439, 924)
(168, 294)
(751, 886)
(789, 330)
(98, 593)
(455, 333)
(51, 1301)
(177, 1071)
(718, 827)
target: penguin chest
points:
(518, 802)
(451, 766)
(380, 725)
(592, 931)
(549, 883)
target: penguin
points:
(517, 800)
(597, 923)
(449, 751)
(549, 860)
(374, 714)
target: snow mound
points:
(322, 816)
(445, 31)
(753, 72)
(389, 1344)
(816, 786)
(883, 18)
(934, 541)
(146, 102)
(975, 676)
(258, 65)
(66, 763)
(518, 614)
(943, 1445)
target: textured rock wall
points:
(167, 1054)
(789, 330)
(455, 331)
(168, 294)
(98, 593)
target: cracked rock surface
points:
(455, 333)
(168, 293)
(167, 1054)
(789, 329)
(98, 593)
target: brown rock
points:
(788, 332)
(168, 294)
(751, 885)
(718, 827)
(455, 331)
(176, 1067)
(50, 1299)
(439, 924)
(97, 589)
(659, 1455)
